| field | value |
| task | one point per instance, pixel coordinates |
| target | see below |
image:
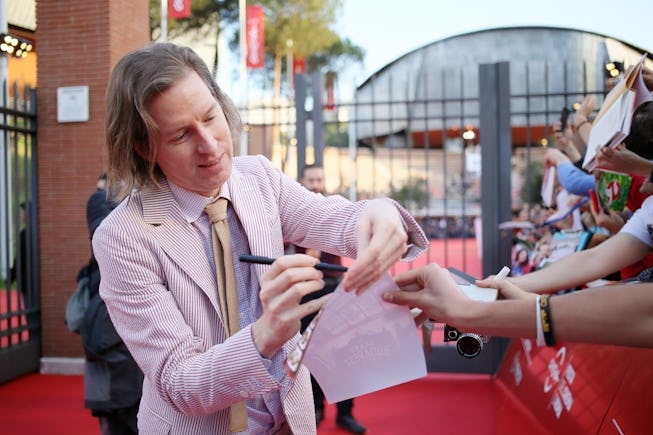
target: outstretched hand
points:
(620, 159)
(507, 290)
(607, 218)
(431, 289)
(382, 242)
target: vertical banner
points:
(330, 83)
(255, 36)
(298, 65)
(178, 9)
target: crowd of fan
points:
(615, 258)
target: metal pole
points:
(301, 117)
(242, 8)
(164, 20)
(5, 199)
(318, 118)
(496, 150)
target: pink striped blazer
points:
(161, 294)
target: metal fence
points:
(20, 335)
(461, 163)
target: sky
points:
(386, 33)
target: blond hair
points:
(131, 133)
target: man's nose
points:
(206, 142)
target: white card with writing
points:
(362, 344)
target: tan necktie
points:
(227, 293)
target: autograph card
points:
(359, 344)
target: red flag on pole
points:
(255, 37)
(178, 9)
(330, 84)
(298, 65)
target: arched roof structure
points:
(440, 81)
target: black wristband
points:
(650, 177)
(582, 123)
(547, 325)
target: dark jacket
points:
(112, 379)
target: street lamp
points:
(12, 45)
(469, 135)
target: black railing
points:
(20, 330)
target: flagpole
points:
(243, 75)
(164, 20)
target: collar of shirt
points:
(192, 204)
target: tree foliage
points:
(414, 194)
(307, 23)
(336, 56)
(304, 22)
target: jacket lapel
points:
(176, 237)
(251, 210)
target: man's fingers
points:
(312, 306)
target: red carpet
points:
(45, 404)
(437, 403)
(461, 254)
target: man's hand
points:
(381, 243)
(282, 287)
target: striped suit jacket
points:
(161, 294)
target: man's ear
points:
(142, 149)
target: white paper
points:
(548, 185)
(612, 124)
(611, 129)
(362, 344)
(482, 294)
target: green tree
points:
(335, 57)
(297, 27)
(531, 191)
(415, 194)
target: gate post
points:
(496, 150)
(318, 121)
(301, 116)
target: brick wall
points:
(78, 44)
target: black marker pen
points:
(257, 259)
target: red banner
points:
(178, 9)
(298, 65)
(255, 38)
(330, 83)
